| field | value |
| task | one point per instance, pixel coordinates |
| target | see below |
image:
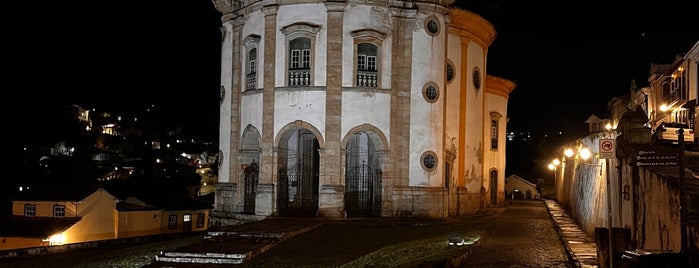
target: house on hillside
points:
(57, 215)
(519, 188)
(596, 124)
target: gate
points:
(250, 178)
(298, 179)
(362, 178)
(363, 194)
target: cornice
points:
(499, 86)
(472, 26)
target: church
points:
(357, 109)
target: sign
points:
(657, 158)
(606, 148)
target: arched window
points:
(300, 41)
(250, 62)
(367, 65)
(367, 72)
(494, 134)
(494, 129)
(252, 70)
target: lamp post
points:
(553, 166)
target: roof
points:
(519, 178)
(56, 192)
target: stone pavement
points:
(580, 246)
(237, 244)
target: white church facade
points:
(346, 109)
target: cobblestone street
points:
(522, 234)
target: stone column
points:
(396, 172)
(331, 190)
(265, 199)
(226, 190)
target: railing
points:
(367, 79)
(300, 77)
(251, 82)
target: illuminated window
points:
(187, 218)
(29, 210)
(172, 222)
(201, 219)
(59, 211)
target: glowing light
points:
(585, 153)
(608, 126)
(551, 166)
(568, 152)
(664, 107)
(56, 239)
(556, 162)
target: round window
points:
(429, 161)
(432, 25)
(223, 92)
(430, 92)
(450, 71)
(476, 78)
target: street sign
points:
(606, 148)
(656, 157)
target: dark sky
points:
(569, 57)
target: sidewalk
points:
(580, 246)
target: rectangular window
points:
(201, 219)
(59, 211)
(172, 222)
(306, 58)
(29, 210)
(494, 135)
(361, 62)
(371, 63)
(253, 67)
(295, 59)
(187, 218)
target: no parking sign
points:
(606, 148)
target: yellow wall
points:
(97, 223)
(20, 242)
(138, 223)
(101, 221)
(180, 221)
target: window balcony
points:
(251, 83)
(367, 79)
(300, 77)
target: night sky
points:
(570, 58)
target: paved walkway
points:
(580, 246)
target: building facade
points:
(358, 109)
